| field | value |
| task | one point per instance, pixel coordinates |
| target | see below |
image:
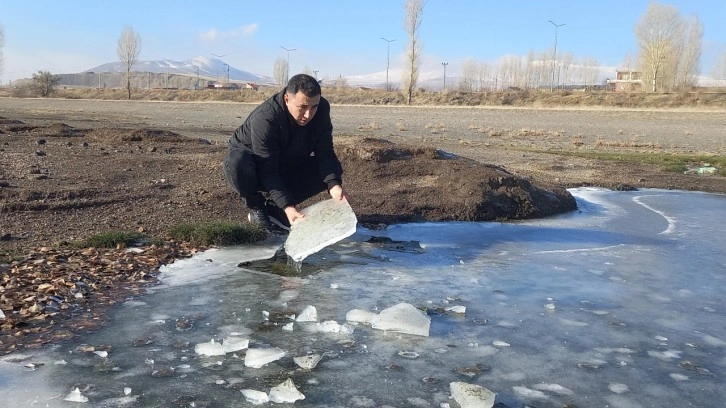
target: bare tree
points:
(307, 71)
(412, 24)
(657, 32)
(129, 47)
(719, 68)
(280, 72)
(2, 44)
(691, 54)
(468, 76)
(44, 83)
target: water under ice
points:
(617, 304)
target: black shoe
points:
(277, 216)
(262, 218)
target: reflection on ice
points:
(593, 308)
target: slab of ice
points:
(285, 392)
(329, 326)
(258, 357)
(471, 395)
(75, 396)
(210, 349)
(402, 318)
(309, 314)
(307, 362)
(325, 223)
(255, 397)
(233, 343)
(359, 316)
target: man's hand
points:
(337, 193)
(293, 214)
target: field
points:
(146, 166)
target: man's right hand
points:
(293, 214)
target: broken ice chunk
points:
(309, 314)
(456, 309)
(499, 343)
(103, 354)
(75, 396)
(402, 318)
(127, 390)
(231, 344)
(307, 362)
(285, 392)
(471, 396)
(255, 397)
(329, 326)
(2, 315)
(288, 327)
(257, 358)
(360, 316)
(209, 349)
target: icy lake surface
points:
(619, 304)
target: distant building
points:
(626, 81)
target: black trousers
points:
(240, 170)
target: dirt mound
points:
(115, 135)
(399, 183)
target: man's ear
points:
(285, 97)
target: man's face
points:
(302, 108)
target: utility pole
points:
(196, 69)
(316, 74)
(388, 59)
(288, 61)
(554, 59)
(444, 64)
(224, 64)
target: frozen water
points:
(471, 395)
(285, 392)
(308, 362)
(402, 318)
(255, 397)
(325, 223)
(259, 357)
(635, 281)
(309, 314)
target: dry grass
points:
(368, 96)
(626, 143)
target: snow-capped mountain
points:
(209, 68)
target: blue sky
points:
(334, 37)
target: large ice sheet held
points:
(325, 223)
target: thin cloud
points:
(244, 31)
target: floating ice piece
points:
(456, 309)
(258, 357)
(471, 396)
(678, 377)
(402, 318)
(288, 327)
(255, 397)
(103, 354)
(360, 316)
(127, 390)
(618, 388)
(499, 343)
(525, 392)
(307, 362)
(285, 392)
(75, 396)
(209, 349)
(329, 326)
(309, 314)
(550, 306)
(325, 223)
(232, 343)
(556, 388)
(2, 315)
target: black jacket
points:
(279, 145)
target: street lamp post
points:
(316, 74)
(388, 58)
(554, 59)
(287, 78)
(444, 64)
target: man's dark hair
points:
(306, 84)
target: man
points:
(283, 154)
